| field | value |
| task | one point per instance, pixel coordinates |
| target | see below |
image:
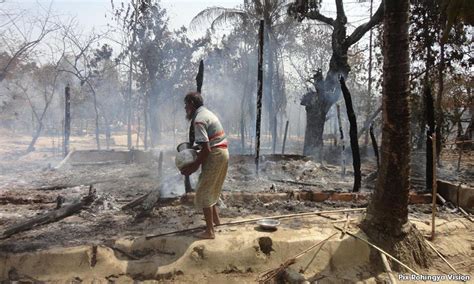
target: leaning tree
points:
(328, 91)
(386, 221)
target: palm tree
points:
(386, 221)
(273, 13)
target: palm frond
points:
(209, 15)
(226, 18)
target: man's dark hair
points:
(195, 99)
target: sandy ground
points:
(83, 247)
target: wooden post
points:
(430, 119)
(259, 93)
(433, 211)
(160, 165)
(67, 119)
(129, 104)
(284, 138)
(353, 135)
(461, 148)
(343, 146)
(199, 80)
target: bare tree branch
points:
(359, 32)
(315, 15)
(46, 27)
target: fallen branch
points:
(380, 250)
(51, 216)
(273, 273)
(256, 219)
(439, 254)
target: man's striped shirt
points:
(208, 128)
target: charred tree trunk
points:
(386, 221)
(284, 138)
(316, 110)
(375, 146)
(343, 144)
(67, 120)
(259, 94)
(353, 135)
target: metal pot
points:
(183, 146)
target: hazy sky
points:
(91, 13)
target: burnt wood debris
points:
(52, 216)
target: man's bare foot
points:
(217, 222)
(205, 235)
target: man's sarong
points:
(213, 173)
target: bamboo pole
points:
(439, 254)
(386, 265)
(256, 219)
(380, 250)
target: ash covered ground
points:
(30, 185)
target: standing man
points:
(206, 130)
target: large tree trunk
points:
(386, 221)
(315, 119)
(338, 65)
